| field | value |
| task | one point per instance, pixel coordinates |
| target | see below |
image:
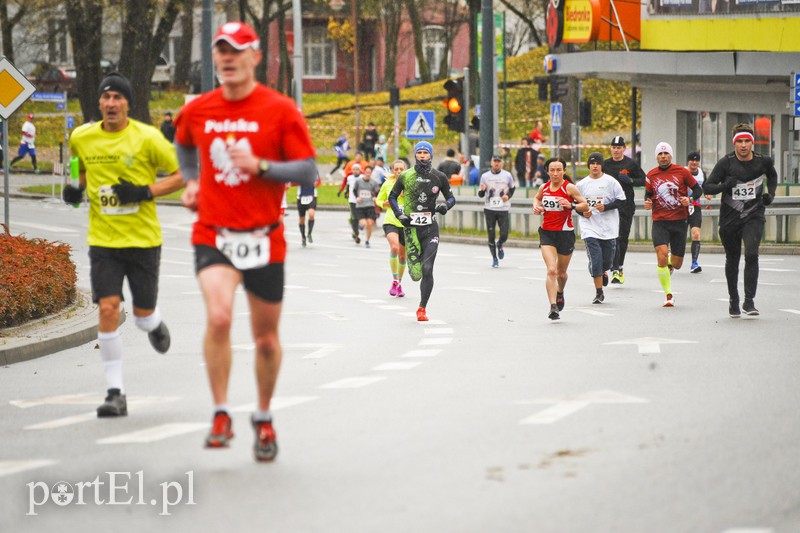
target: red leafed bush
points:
(37, 278)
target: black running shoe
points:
(598, 298)
(116, 404)
(310, 239)
(159, 338)
(749, 307)
(553, 313)
(304, 243)
(560, 301)
(500, 252)
(733, 309)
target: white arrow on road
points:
(651, 344)
(566, 405)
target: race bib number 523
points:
(245, 250)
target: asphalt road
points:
(623, 417)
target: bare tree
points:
(284, 61)
(85, 24)
(183, 63)
(141, 47)
(532, 14)
(261, 25)
(414, 7)
(392, 16)
(454, 18)
(7, 25)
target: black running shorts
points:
(109, 266)
(671, 233)
(265, 282)
(564, 241)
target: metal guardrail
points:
(783, 218)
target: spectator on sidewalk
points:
(167, 128)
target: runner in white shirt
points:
(496, 188)
(600, 224)
(27, 144)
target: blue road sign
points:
(796, 106)
(47, 97)
(420, 124)
(555, 116)
(796, 94)
(796, 81)
(70, 122)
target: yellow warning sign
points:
(14, 88)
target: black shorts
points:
(670, 233)
(391, 228)
(365, 212)
(696, 216)
(301, 208)
(265, 282)
(564, 241)
(109, 266)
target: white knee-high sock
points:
(111, 354)
(150, 322)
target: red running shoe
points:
(421, 316)
(221, 431)
(266, 446)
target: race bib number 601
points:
(245, 250)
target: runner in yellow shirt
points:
(393, 229)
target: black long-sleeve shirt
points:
(742, 201)
(629, 175)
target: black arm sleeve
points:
(447, 192)
(616, 204)
(772, 177)
(511, 192)
(397, 190)
(638, 176)
(697, 192)
(715, 182)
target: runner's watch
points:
(263, 167)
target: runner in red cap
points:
(251, 141)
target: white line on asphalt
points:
(435, 341)
(66, 421)
(482, 290)
(87, 398)
(591, 312)
(566, 405)
(178, 227)
(398, 365)
(353, 383)
(44, 227)
(794, 311)
(439, 331)
(277, 403)
(328, 314)
(324, 265)
(554, 413)
(422, 353)
(433, 322)
(317, 350)
(533, 279)
(13, 467)
(390, 307)
(410, 313)
(155, 433)
(650, 344)
(320, 274)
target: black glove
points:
(128, 193)
(766, 198)
(72, 195)
(624, 179)
(405, 220)
(441, 209)
(730, 183)
(339, 193)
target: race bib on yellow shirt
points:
(109, 203)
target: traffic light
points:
(585, 109)
(454, 103)
(543, 83)
(558, 87)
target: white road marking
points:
(794, 311)
(353, 383)
(327, 314)
(433, 322)
(422, 353)
(591, 311)
(277, 403)
(481, 290)
(438, 331)
(155, 433)
(14, 467)
(566, 405)
(534, 279)
(88, 398)
(66, 421)
(45, 227)
(320, 274)
(390, 307)
(317, 350)
(398, 365)
(435, 341)
(648, 345)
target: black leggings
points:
(500, 218)
(625, 222)
(339, 162)
(422, 243)
(732, 236)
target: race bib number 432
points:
(744, 191)
(245, 250)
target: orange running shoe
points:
(421, 316)
(221, 431)
(266, 445)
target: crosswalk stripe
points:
(277, 403)
(397, 365)
(353, 383)
(155, 433)
(62, 422)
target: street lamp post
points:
(337, 5)
(297, 26)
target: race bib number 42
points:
(421, 219)
(245, 250)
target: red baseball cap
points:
(237, 34)
(30, 116)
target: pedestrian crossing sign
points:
(420, 124)
(555, 116)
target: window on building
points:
(702, 135)
(319, 54)
(433, 44)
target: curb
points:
(67, 329)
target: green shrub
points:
(37, 278)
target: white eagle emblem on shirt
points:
(221, 160)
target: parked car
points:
(56, 79)
(162, 75)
